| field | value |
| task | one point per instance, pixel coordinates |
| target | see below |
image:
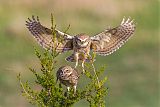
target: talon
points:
(75, 87)
(76, 65)
(68, 89)
(83, 71)
(83, 67)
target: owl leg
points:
(74, 87)
(66, 93)
(85, 56)
(83, 66)
(68, 88)
(76, 57)
(76, 64)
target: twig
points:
(24, 88)
(96, 74)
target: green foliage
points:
(52, 94)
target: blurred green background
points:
(132, 70)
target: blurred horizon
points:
(133, 70)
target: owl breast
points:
(82, 50)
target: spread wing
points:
(107, 42)
(45, 38)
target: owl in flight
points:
(104, 43)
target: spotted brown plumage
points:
(68, 76)
(104, 43)
(112, 39)
(44, 36)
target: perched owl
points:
(104, 43)
(68, 76)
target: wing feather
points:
(44, 36)
(110, 40)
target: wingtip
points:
(27, 22)
(29, 19)
(37, 18)
(128, 20)
(33, 17)
(123, 20)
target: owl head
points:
(64, 72)
(82, 40)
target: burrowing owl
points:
(68, 76)
(104, 43)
